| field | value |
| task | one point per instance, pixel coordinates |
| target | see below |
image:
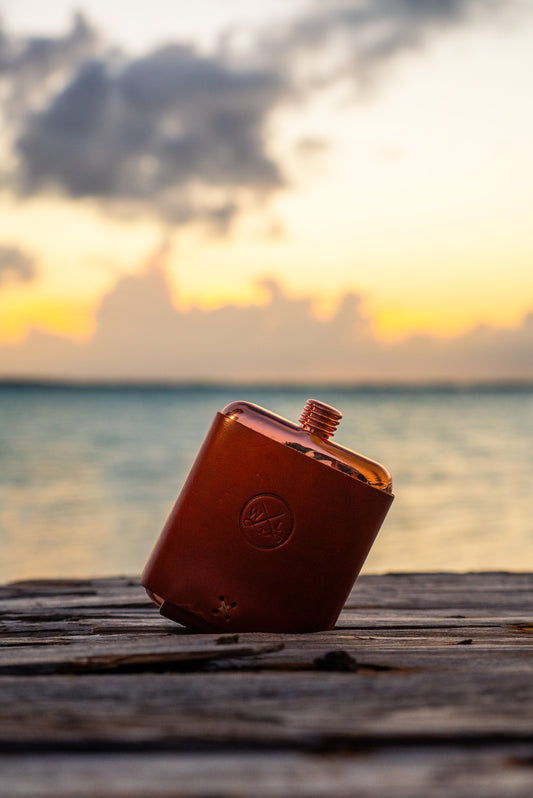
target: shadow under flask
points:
(271, 527)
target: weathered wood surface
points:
(425, 688)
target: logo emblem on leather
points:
(266, 521)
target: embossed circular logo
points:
(266, 521)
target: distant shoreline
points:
(449, 386)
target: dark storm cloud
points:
(16, 265)
(151, 129)
(182, 134)
(31, 69)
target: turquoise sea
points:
(88, 474)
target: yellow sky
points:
(421, 201)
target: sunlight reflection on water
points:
(88, 476)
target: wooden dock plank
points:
(392, 772)
(424, 688)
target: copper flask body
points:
(272, 526)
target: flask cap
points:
(320, 419)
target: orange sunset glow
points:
(359, 170)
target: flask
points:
(271, 527)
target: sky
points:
(234, 189)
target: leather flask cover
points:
(262, 537)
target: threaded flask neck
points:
(320, 419)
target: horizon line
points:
(75, 383)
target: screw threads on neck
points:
(320, 419)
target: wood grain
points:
(424, 688)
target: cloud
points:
(141, 335)
(154, 132)
(356, 40)
(181, 134)
(33, 69)
(16, 265)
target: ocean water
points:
(88, 475)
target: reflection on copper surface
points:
(318, 423)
